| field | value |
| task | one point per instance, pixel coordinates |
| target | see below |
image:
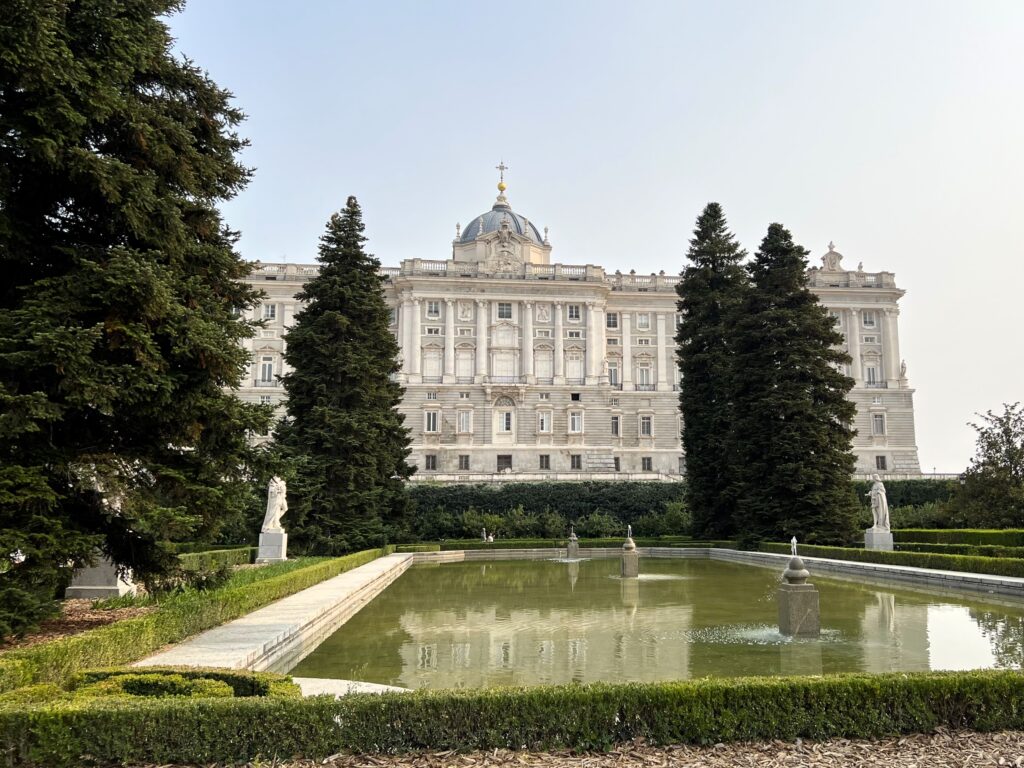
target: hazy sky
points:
(893, 128)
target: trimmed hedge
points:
(173, 621)
(626, 500)
(577, 717)
(1008, 537)
(194, 561)
(243, 683)
(663, 541)
(975, 550)
(188, 547)
(996, 566)
(909, 493)
(405, 548)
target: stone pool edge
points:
(278, 636)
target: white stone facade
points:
(517, 368)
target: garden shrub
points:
(576, 717)
(176, 618)
(989, 565)
(909, 493)
(1006, 537)
(585, 543)
(150, 685)
(418, 548)
(975, 550)
(33, 694)
(234, 556)
(242, 682)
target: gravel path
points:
(936, 750)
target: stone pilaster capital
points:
(854, 311)
(528, 304)
(416, 300)
(449, 302)
(481, 302)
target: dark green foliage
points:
(974, 550)
(343, 433)
(929, 515)
(150, 685)
(176, 618)
(992, 491)
(908, 493)
(994, 566)
(418, 548)
(236, 556)
(712, 286)
(791, 434)
(241, 682)
(118, 334)
(188, 547)
(577, 717)
(1005, 538)
(544, 509)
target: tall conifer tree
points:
(791, 433)
(711, 286)
(119, 297)
(343, 431)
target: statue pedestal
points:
(875, 539)
(98, 582)
(799, 614)
(573, 550)
(630, 564)
(273, 547)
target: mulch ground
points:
(76, 616)
(936, 750)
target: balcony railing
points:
(615, 384)
(431, 379)
(506, 379)
(574, 381)
(877, 384)
(645, 387)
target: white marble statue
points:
(629, 531)
(277, 505)
(879, 504)
(792, 546)
(483, 534)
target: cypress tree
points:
(119, 300)
(342, 432)
(711, 286)
(791, 434)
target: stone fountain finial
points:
(630, 557)
(798, 601)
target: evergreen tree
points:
(791, 432)
(118, 304)
(711, 286)
(991, 491)
(343, 432)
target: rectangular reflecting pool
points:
(547, 622)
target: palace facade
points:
(515, 367)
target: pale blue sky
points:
(893, 128)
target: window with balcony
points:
(613, 374)
(644, 375)
(270, 311)
(504, 310)
(870, 318)
(645, 426)
(871, 375)
(266, 370)
(575, 422)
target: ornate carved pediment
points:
(504, 250)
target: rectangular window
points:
(611, 320)
(264, 399)
(504, 310)
(871, 375)
(431, 395)
(505, 421)
(615, 426)
(544, 395)
(870, 318)
(463, 395)
(646, 464)
(544, 422)
(613, 342)
(575, 422)
(430, 421)
(644, 341)
(575, 461)
(545, 461)
(575, 397)
(504, 462)
(643, 375)
(643, 321)
(463, 461)
(465, 331)
(430, 462)
(575, 334)
(465, 422)
(618, 465)
(881, 463)
(870, 339)
(543, 333)
(433, 309)
(433, 330)
(270, 311)
(878, 424)
(679, 319)
(574, 313)
(613, 373)
(266, 369)
(645, 426)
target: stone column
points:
(559, 372)
(593, 366)
(482, 322)
(892, 349)
(662, 365)
(403, 333)
(853, 337)
(449, 341)
(526, 308)
(417, 341)
(627, 352)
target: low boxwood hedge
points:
(174, 620)
(996, 566)
(194, 561)
(975, 550)
(1008, 537)
(577, 717)
(406, 548)
(662, 541)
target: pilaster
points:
(559, 372)
(449, 341)
(482, 323)
(853, 340)
(627, 351)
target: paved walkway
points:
(278, 636)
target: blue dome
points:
(491, 222)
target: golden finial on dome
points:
(501, 168)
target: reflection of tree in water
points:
(1005, 633)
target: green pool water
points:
(547, 622)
